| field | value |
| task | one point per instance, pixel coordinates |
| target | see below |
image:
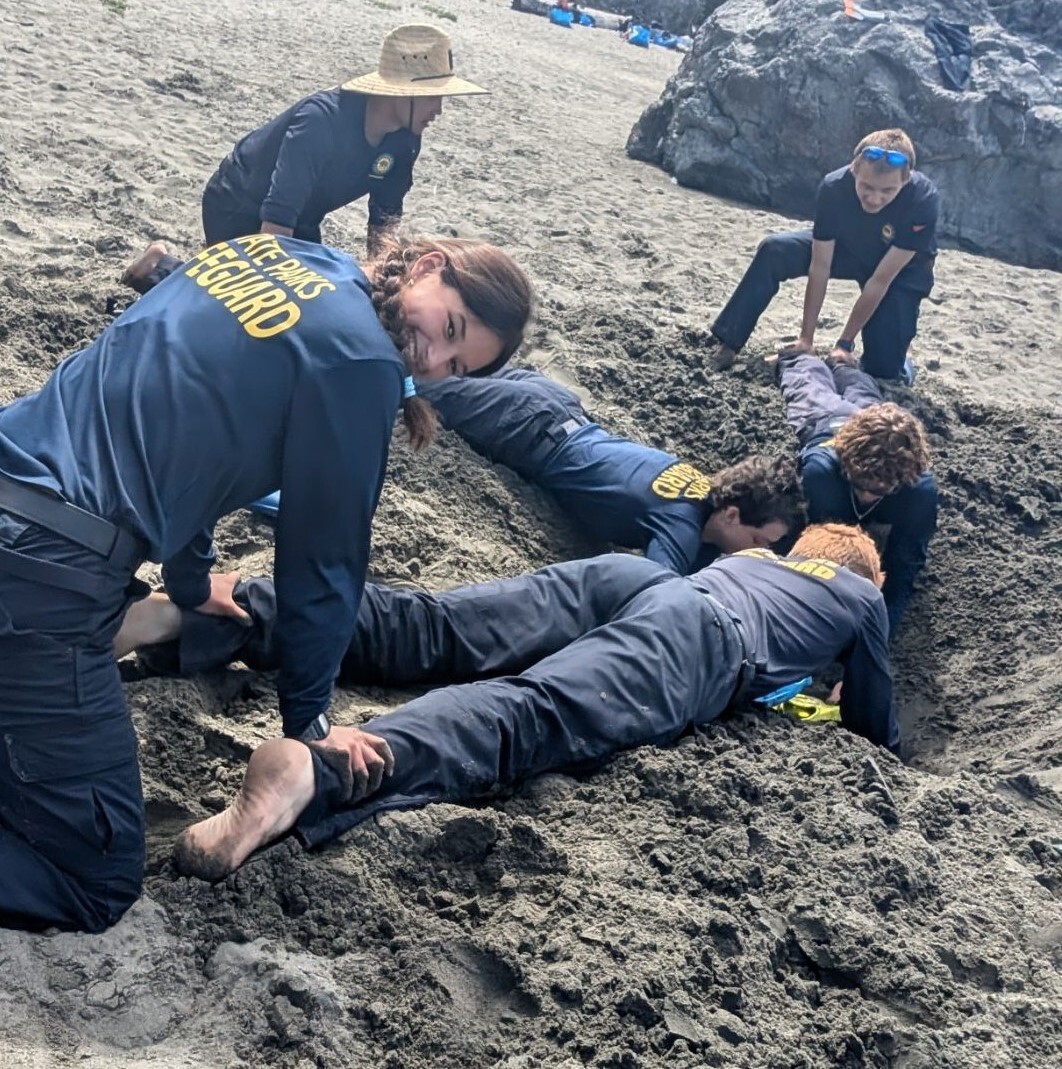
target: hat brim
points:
(448, 86)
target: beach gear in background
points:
(415, 61)
(268, 505)
(559, 17)
(639, 36)
(954, 49)
(860, 13)
(663, 38)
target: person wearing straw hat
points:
(358, 139)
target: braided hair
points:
(495, 290)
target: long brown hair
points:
(494, 288)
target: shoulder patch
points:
(382, 164)
(682, 482)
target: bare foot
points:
(278, 786)
(151, 620)
(143, 265)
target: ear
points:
(427, 264)
(730, 516)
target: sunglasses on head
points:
(891, 156)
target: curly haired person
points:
(863, 460)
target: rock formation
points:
(775, 94)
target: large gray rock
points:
(774, 95)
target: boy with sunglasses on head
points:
(875, 223)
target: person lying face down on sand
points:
(863, 460)
(559, 668)
(615, 490)
(264, 361)
(875, 223)
(334, 147)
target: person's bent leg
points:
(664, 662)
(889, 332)
(489, 629)
(71, 810)
(779, 257)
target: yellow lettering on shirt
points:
(263, 288)
(682, 481)
(818, 567)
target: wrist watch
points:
(317, 729)
(845, 344)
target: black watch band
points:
(845, 344)
(317, 729)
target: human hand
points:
(803, 345)
(220, 602)
(370, 757)
(843, 356)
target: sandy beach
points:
(765, 895)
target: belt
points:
(748, 658)
(113, 544)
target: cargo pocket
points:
(73, 789)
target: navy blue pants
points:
(779, 257)
(588, 658)
(71, 809)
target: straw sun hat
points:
(415, 61)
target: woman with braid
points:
(264, 361)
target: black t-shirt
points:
(314, 158)
(909, 222)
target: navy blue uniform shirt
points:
(314, 158)
(910, 512)
(909, 222)
(616, 490)
(260, 363)
(800, 615)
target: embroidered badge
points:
(888, 232)
(382, 164)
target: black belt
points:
(115, 545)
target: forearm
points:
(864, 308)
(276, 228)
(814, 295)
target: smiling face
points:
(444, 337)
(876, 188)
